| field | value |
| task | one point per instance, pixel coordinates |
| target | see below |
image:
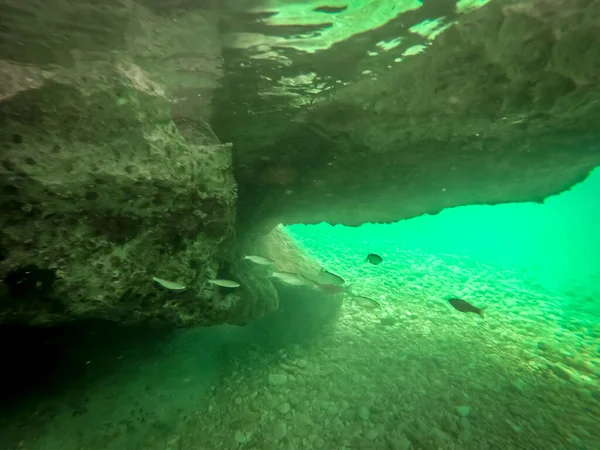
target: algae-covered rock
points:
(500, 107)
(102, 196)
(109, 175)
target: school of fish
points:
(325, 281)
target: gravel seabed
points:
(416, 374)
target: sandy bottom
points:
(415, 374)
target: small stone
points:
(562, 372)
(277, 379)
(318, 442)
(240, 437)
(517, 386)
(284, 408)
(371, 434)
(387, 321)
(465, 426)
(516, 428)
(302, 363)
(440, 439)
(398, 443)
(448, 425)
(332, 410)
(238, 401)
(463, 411)
(348, 415)
(363, 413)
(279, 431)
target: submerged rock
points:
(388, 321)
(279, 431)
(379, 147)
(463, 410)
(284, 408)
(364, 413)
(277, 379)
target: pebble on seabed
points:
(279, 431)
(363, 413)
(277, 379)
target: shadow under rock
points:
(44, 361)
(303, 315)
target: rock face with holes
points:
(105, 181)
(97, 198)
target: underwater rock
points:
(463, 411)
(279, 431)
(371, 434)
(302, 363)
(277, 379)
(518, 83)
(110, 173)
(388, 320)
(398, 443)
(363, 413)
(284, 408)
(104, 184)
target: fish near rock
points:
(171, 285)
(374, 259)
(326, 277)
(260, 260)
(366, 302)
(464, 306)
(225, 283)
(291, 278)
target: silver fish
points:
(366, 302)
(171, 285)
(260, 260)
(327, 277)
(225, 283)
(291, 278)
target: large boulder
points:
(109, 173)
(501, 107)
(96, 204)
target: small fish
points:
(225, 283)
(465, 307)
(374, 259)
(260, 260)
(366, 302)
(171, 285)
(330, 278)
(291, 278)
